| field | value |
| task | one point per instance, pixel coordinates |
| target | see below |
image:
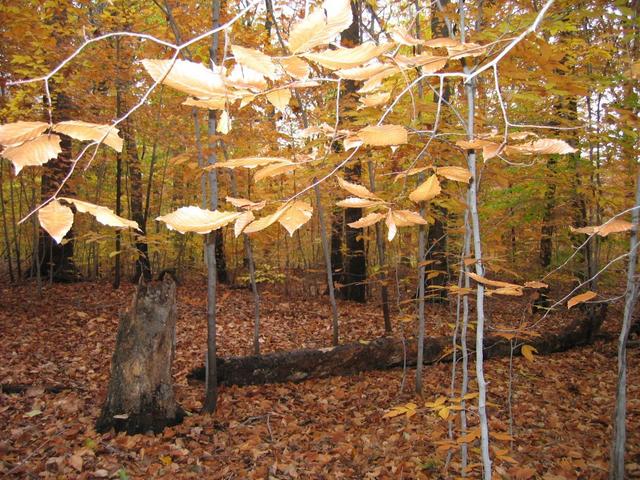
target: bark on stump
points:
(140, 396)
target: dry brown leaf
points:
(56, 219)
(613, 226)
(255, 60)
(458, 174)
(320, 26)
(342, 58)
(196, 219)
(187, 77)
(535, 284)
(33, 152)
(367, 220)
(19, 132)
(383, 135)
(279, 98)
(583, 297)
(427, 190)
(466, 50)
(492, 283)
(85, 131)
(407, 218)
(357, 190)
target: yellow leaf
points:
(444, 413)
(196, 219)
(295, 67)
(104, 215)
(243, 77)
(437, 403)
(166, 460)
(535, 284)
(527, 352)
(465, 50)
(274, 169)
(357, 190)
(492, 283)
(407, 218)
(375, 71)
(188, 77)
(342, 58)
(458, 174)
(56, 219)
(427, 190)
(367, 220)
(33, 152)
(355, 202)
(383, 135)
(242, 221)
(279, 98)
(19, 132)
(246, 204)
(375, 99)
(224, 123)
(248, 162)
(320, 26)
(85, 131)
(583, 297)
(266, 221)
(441, 42)
(501, 435)
(255, 60)
(210, 103)
(544, 146)
(295, 216)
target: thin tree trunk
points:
(118, 263)
(7, 243)
(421, 288)
(335, 326)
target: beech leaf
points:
(427, 190)
(321, 25)
(583, 297)
(19, 132)
(34, 152)
(95, 132)
(56, 219)
(196, 219)
(383, 135)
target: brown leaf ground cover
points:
(559, 409)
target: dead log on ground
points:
(380, 354)
(141, 396)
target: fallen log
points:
(381, 354)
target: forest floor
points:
(559, 413)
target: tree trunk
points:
(140, 396)
(380, 354)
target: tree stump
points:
(140, 396)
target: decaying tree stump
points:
(140, 396)
(381, 354)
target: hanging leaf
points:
(544, 146)
(196, 219)
(255, 60)
(19, 132)
(295, 67)
(367, 220)
(242, 77)
(342, 58)
(274, 169)
(351, 142)
(528, 351)
(280, 98)
(583, 297)
(407, 218)
(211, 103)
(427, 190)
(375, 99)
(266, 221)
(383, 135)
(357, 190)
(187, 77)
(463, 50)
(224, 123)
(458, 174)
(246, 204)
(374, 70)
(242, 221)
(295, 216)
(613, 226)
(320, 26)
(535, 284)
(85, 131)
(409, 173)
(248, 162)
(441, 42)
(491, 283)
(354, 202)
(104, 215)
(428, 63)
(33, 152)
(401, 36)
(391, 226)
(56, 219)
(476, 143)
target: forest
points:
(355, 239)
